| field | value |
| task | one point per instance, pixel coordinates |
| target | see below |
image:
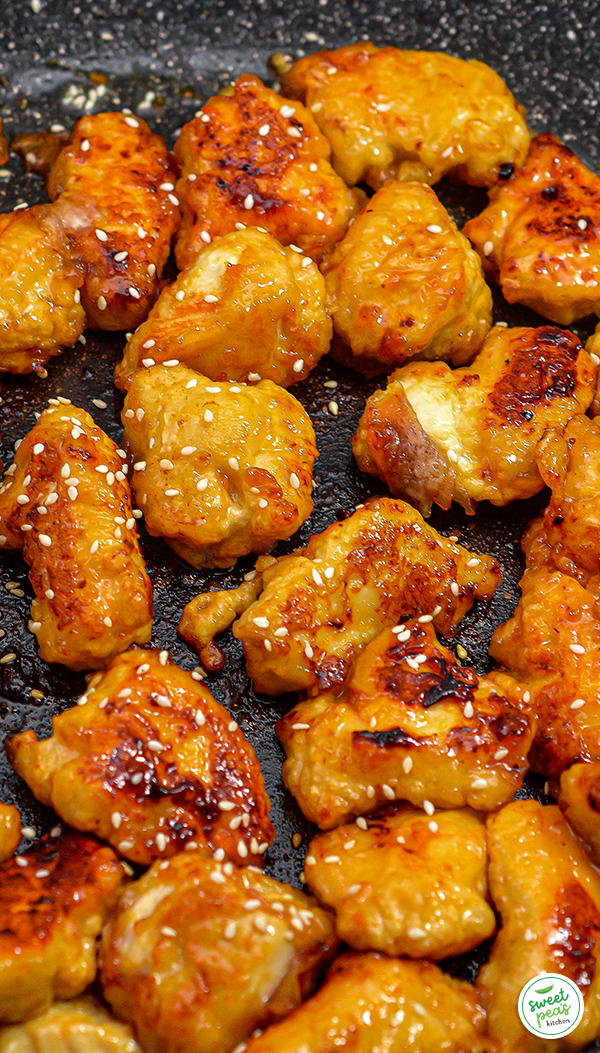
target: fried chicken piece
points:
(80, 1026)
(567, 534)
(219, 470)
(54, 900)
(210, 613)
(405, 884)
(539, 237)
(149, 761)
(410, 114)
(40, 282)
(199, 954)
(470, 434)
(549, 652)
(405, 283)
(579, 799)
(252, 158)
(118, 179)
(370, 1003)
(67, 503)
(10, 830)
(245, 309)
(412, 724)
(352, 580)
(548, 896)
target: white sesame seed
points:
(108, 622)
(479, 784)
(137, 778)
(468, 710)
(388, 791)
(131, 121)
(501, 753)
(234, 463)
(101, 234)
(139, 466)
(99, 403)
(141, 233)
(362, 823)
(298, 365)
(209, 298)
(582, 224)
(249, 202)
(264, 129)
(263, 503)
(116, 819)
(300, 727)
(120, 256)
(454, 589)
(173, 199)
(202, 484)
(161, 841)
(205, 118)
(242, 850)
(578, 703)
(428, 807)
(308, 651)
(21, 861)
(233, 726)
(230, 930)
(85, 145)
(45, 540)
(434, 228)
(294, 481)
(101, 301)
(577, 648)
(318, 580)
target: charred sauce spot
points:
(505, 170)
(549, 193)
(449, 685)
(386, 739)
(576, 923)
(543, 367)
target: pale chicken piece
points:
(549, 654)
(199, 954)
(40, 283)
(10, 830)
(254, 159)
(410, 114)
(54, 901)
(219, 470)
(322, 605)
(566, 536)
(405, 283)
(117, 178)
(539, 237)
(66, 503)
(437, 435)
(245, 309)
(405, 883)
(370, 1004)
(548, 896)
(579, 799)
(80, 1026)
(149, 761)
(411, 725)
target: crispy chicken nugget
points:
(579, 799)
(82, 1025)
(149, 761)
(66, 503)
(410, 114)
(118, 179)
(254, 159)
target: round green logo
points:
(550, 1005)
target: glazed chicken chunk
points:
(437, 435)
(80, 1026)
(117, 180)
(200, 953)
(321, 605)
(410, 114)
(411, 725)
(246, 309)
(404, 883)
(539, 237)
(369, 1003)
(219, 470)
(548, 896)
(579, 799)
(149, 761)
(66, 503)
(549, 653)
(405, 283)
(40, 283)
(10, 830)
(567, 534)
(253, 159)
(54, 900)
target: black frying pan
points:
(171, 56)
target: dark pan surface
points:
(549, 55)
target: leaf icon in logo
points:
(543, 990)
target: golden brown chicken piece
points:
(549, 653)
(219, 470)
(371, 1003)
(321, 605)
(579, 799)
(411, 725)
(253, 159)
(410, 114)
(149, 761)
(567, 534)
(117, 178)
(199, 954)
(539, 237)
(40, 282)
(548, 896)
(404, 883)
(470, 434)
(246, 309)
(67, 503)
(405, 283)
(10, 830)
(80, 1026)
(54, 900)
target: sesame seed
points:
(577, 648)
(318, 580)
(205, 118)
(202, 484)
(332, 859)
(85, 145)
(582, 224)
(166, 930)
(22, 499)
(479, 784)
(433, 826)
(249, 202)
(333, 408)
(428, 807)
(108, 622)
(454, 589)
(134, 292)
(234, 463)
(263, 503)
(268, 645)
(242, 850)
(180, 295)
(141, 233)
(21, 861)
(137, 778)
(209, 298)
(230, 930)
(205, 236)
(76, 298)
(298, 365)
(308, 651)
(173, 199)
(161, 841)
(38, 448)
(434, 228)
(300, 727)
(468, 710)
(578, 703)
(49, 593)
(187, 451)
(45, 540)
(131, 121)
(526, 696)
(148, 362)
(362, 823)
(120, 256)
(264, 129)
(233, 726)
(101, 234)
(101, 301)
(99, 403)
(168, 362)
(501, 753)
(116, 819)
(388, 791)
